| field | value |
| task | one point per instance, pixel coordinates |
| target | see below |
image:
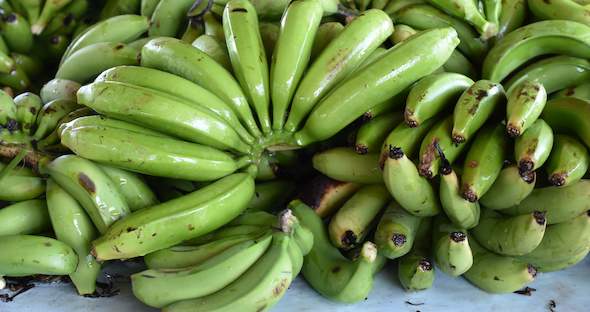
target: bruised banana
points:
(437, 146)
(568, 161)
(343, 164)
(325, 195)
(581, 91)
(28, 106)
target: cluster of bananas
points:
(171, 128)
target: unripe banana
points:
(325, 34)
(269, 32)
(492, 9)
(438, 146)
(325, 195)
(32, 8)
(560, 10)
(450, 244)
(468, 11)
(50, 115)
(59, 89)
(525, 105)
(213, 27)
(28, 106)
(396, 5)
(217, 50)
(35, 255)
(30, 65)
(118, 7)
(343, 164)
(569, 115)
(379, 4)
(50, 9)
(432, 95)
(351, 223)
(474, 107)
(25, 217)
(271, 195)
(406, 138)
(568, 161)
(581, 91)
(401, 33)
(168, 16)
(16, 31)
(512, 16)
(20, 184)
(73, 227)
(392, 104)
(62, 24)
(134, 189)
(509, 189)
(228, 231)
(564, 264)
(533, 147)
(7, 64)
(371, 135)
(148, 7)
(192, 215)
(17, 80)
(458, 63)
(461, 212)
(340, 58)
(415, 269)
(396, 231)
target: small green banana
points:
(371, 135)
(438, 146)
(50, 9)
(509, 189)
(406, 138)
(20, 184)
(533, 147)
(30, 65)
(343, 164)
(325, 34)
(568, 161)
(569, 115)
(16, 32)
(7, 64)
(217, 50)
(35, 255)
(525, 105)
(560, 10)
(134, 189)
(325, 195)
(461, 212)
(271, 195)
(168, 16)
(50, 114)
(415, 269)
(269, 32)
(25, 217)
(512, 16)
(451, 249)
(581, 91)
(119, 7)
(58, 89)
(396, 231)
(62, 24)
(148, 7)
(28, 106)
(468, 11)
(401, 33)
(56, 46)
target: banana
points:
(525, 43)
(461, 212)
(525, 105)
(50, 9)
(392, 104)
(28, 106)
(559, 204)
(271, 195)
(189, 216)
(58, 89)
(379, 4)
(215, 49)
(451, 249)
(258, 289)
(213, 27)
(17, 33)
(327, 270)
(134, 189)
(498, 274)
(568, 161)
(371, 135)
(325, 195)
(351, 223)
(406, 138)
(167, 17)
(458, 63)
(424, 16)
(512, 16)
(432, 95)
(468, 11)
(325, 34)
(474, 107)
(510, 235)
(343, 164)
(194, 28)
(50, 114)
(62, 24)
(483, 162)
(396, 231)
(395, 5)
(560, 10)
(269, 32)
(438, 146)
(119, 7)
(73, 227)
(17, 80)
(160, 112)
(176, 57)
(509, 189)
(127, 148)
(291, 56)
(56, 46)
(533, 147)
(382, 79)
(20, 184)
(415, 269)
(90, 61)
(7, 64)
(246, 52)
(569, 115)
(77, 8)
(564, 264)
(581, 91)
(401, 33)
(32, 9)
(257, 218)
(492, 9)
(25, 217)
(153, 287)
(338, 59)
(35, 255)
(554, 73)
(30, 65)
(413, 192)
(51, 142)
(231, 230)
(147, 7)
(562, 242)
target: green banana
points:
(139, 151)
(271, 195)
(406, 138)
(155, 287)
(32, 9)
(338, 59)
(327, 270)
(134, 189)
(168, 16)
(176, 57)
(28, 106)
(51, 142)
(77, 8)
(559, 204)
(432, 95)
(413, 192)
(560, 10)
(16, 33)
(568, 161)
(396, 231)
(483, 162)
(62, 24)
(569, 115)
(213, 27)
(35, 255)
(562, 242)
(231, 230)
(458, 63)
(20, 184)
(50, 114)
(379, 4)
(581, 91)
(498, 274)
(194, 28)
(257, 218)
(148, 7)
(160, 112)
(438, 146)
(509, 189)
(56, 46)
(343, 164)
(188, 216)
(371, 135)
(7, 64)
(269, 32)
(325, 34)
(31, 66)
(512, 16)
(468, 11)
(325, 195)
(461, 212)
(73, 227)
(351, 223)
(290, 58)
(525, 105)
(17, 80)
(215, 49)
(510, 235)
(50, 9)
(246, 52)
(25, 217)
(401, 33)
(527, 42)
(564, 264)
(451, 249)
(119, 7)
(58, 89)
(415, 269)
(382, 79)
(395, 5)
(533, 147)
(392, 104)
(492, 9)
(474, 107)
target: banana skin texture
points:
(569, 115)
(461, 212)
(396, 231)
(525, 104)
(568, 161)
(509, 189)
(325, 195)
(452, 253)
(532, 148)
(343, 164)
(25, 217)
(415, 269)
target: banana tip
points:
(512, 131)
(361, 149)
(398, 239)
(557, 179)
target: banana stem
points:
(31, 157)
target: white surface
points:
(570, 289)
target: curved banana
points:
(118, 7)
(28, 106)
(325, 34)
(16, 32)
(468, 11)
(525, 105)
(25, 217)
(271, 195)
(415, 269)
(560, 10)
(370, 136)
(509, 189)
(168, 16)
(451, 249)
(432, 95)
(59, 89)
(401, 33)
(396, 231)
(188, 216)
(269, 32)
(406, 138)
(382, 79)
(527, 42)
(73, 227)
(325, 195)
(533, 147)
(20, 184)
(343, 164)
(512, 16)
(50, 9)
(337, 60)
(396, 5)
(216, 49)
(50, 115)
(134, 189)
(569, 115)
(581, 91)
(438, 146)
(35, 255)
(461, 212)
(148, 7)
(568, 161)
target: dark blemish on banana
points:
(398, 239)
(425, 265)
(336, 269)
(191, 227)
(497, 278)
(539, 217)
(47, 244)
(147, 276)
(458, 237)
(86, 183)
(239, 10)
(131, 229)
(119, 46)
(473, 164)
(349, 238)
(532, 270)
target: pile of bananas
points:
(448, 134)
